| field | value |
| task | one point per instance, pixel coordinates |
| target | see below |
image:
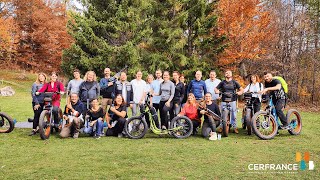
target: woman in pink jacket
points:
(54, 86)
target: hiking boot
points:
(235, 130)
(213, 136)
(76, 135)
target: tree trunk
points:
(315, 64)
(242, 69)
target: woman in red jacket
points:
(190, 110)
(54, 86)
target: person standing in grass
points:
(107, 89)
(254, 87)
(178, 94)
(94, 120)
(74, 84)
(89, 89)
(212, 83)
(183, 81)
(139, 92)
(54, 86)
(149, 90)
(155, 85)
(167, 89)
(117, 114)
(191, 110)
(231, 89)
(37, 101)
(124, 88)
(197, 86)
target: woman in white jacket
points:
(255, 86)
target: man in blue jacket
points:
(197, 86)
(107, 89)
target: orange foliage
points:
(248, 27)
(5, 26)
(42, 31)
(6, 31)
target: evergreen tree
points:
(184, 37)
(203, 42)
(147, 35)
(107, 34)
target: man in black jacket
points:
(278, 97)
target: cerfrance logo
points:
(304, 161)
(301, 164)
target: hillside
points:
(19, 105)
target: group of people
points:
(170, 97)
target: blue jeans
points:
(233, 110)
(98, 129)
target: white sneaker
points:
(213, 136)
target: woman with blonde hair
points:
(94, 119)
(149, 89)
(89, 89)
(191, 110)
(37, 100)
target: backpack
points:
(250, 86)
(283, 83)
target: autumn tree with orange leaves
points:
(39, 35)
(41, 27)
(6, 32)
(250, 31)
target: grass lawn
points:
(152, 157)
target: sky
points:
(76, 4)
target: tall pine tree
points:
(108, 34)
(184, 36)
(147, 35)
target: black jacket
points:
(79, 106)
(179, 92)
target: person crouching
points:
(94, 120)
(116, 117)
(73, 113)
(191, 110)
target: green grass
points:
(152, 157)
